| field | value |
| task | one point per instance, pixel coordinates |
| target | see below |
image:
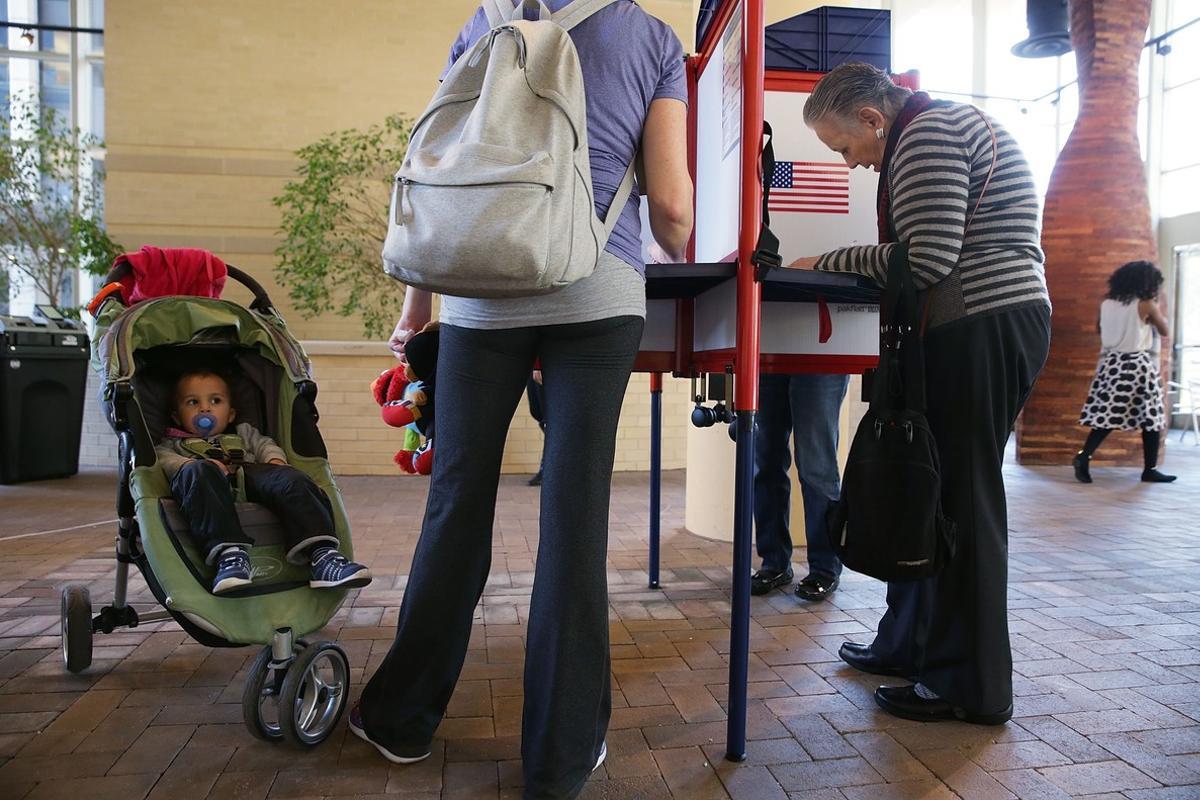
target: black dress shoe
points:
(765, 580)
(816, 587)
(863, 659)
(536, 480)
(904, 702)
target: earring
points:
(879, 133)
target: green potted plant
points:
(333, 219)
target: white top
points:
(1122, 329)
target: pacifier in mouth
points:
(204, 423)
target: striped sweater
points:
(936, 174)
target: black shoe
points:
(816, 587)
(536, 480)
(1082, 473)
(765, 580)
(1154, 476)
(863, 659)
(904, 702)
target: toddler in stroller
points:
(204, 462)
(148, 336)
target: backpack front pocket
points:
(473, 223)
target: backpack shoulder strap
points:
(576, 12)
(567, 18)
(501, 11)
(620, 199)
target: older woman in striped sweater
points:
(975, 256)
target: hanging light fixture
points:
(1047, 21)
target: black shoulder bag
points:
(889, 522)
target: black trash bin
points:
(43, 378)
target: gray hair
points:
(849, 87)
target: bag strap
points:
(900, 324)
(500, 12)
(576, 12)
(620, 198)
(991, 169)
(766, 250)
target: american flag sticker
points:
(810, 187)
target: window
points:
(44, 71)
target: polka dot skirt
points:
(1126, 394)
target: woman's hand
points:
(417, 311)
(807, 262)
(400, 335)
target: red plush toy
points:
(398, 397)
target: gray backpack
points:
(494, 198)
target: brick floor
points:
(1105, 621)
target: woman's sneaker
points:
(408, 757)
(332, 569)
(233, 570)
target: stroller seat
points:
(258, 522)
(269, 569)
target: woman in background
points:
(1127, 392)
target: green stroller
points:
(296, 690)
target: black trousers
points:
(204, 495)
(481, 375)
(952, 630)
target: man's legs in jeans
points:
(481, 374)
(816, 402)
(772, 483)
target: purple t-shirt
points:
(628, 58)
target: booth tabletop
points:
(683, 281)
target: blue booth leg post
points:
(655, 474)
(739, 612)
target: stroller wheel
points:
(314, 694)
(260, 698)
(76, 628)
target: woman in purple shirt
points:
(585, 338)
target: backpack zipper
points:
(402, 190)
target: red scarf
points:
(917, 103)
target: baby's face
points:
(203, 394)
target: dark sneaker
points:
(765, 580)
(332, 569)
(1154, 476)
(816, 588)
(233, 571)
(407, 757)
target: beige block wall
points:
(205, 105)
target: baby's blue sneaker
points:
(331, 569)
(233, 570)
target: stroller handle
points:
(262, 302)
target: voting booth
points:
(720, 316)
